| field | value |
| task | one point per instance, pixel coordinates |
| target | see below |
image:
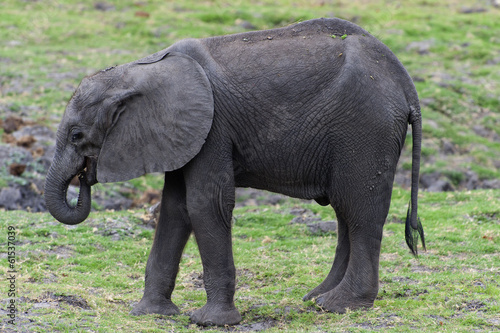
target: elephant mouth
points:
(88, 171)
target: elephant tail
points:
(413, 228)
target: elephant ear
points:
(161, 120)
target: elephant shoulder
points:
(196, 49)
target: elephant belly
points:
(287, 181)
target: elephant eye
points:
(76, 136)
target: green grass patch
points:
(87, 277)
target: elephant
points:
(317, 110)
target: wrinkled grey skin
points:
(289, 110)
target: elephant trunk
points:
(56, 188)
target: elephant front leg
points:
(210, 205)
(172, 232)
(219, 276)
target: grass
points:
(86, 277)
(48, 47)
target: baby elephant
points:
(316, 110)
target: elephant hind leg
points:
(353, 281)
(359, 286)
(339, 264)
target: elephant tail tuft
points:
(412, 234)
(414, 227)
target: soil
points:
(25, 322)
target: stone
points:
(322, 227)
(422, 47)
(441, 186)
(10, 198)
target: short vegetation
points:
(85, 278)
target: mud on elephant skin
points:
(290, 110)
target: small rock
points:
(299, 211)
(467, 10)
(427, 101)
(276, 199)
(113, 202)
(448, 147)
(485, 133)
(10, 198)
(441, 186)
(245, 24)
(431, 123)
(491, 184)
(304, 220)
(322, 227)
(428, 179)
(104, 6)
(422, 47)
(472, 180)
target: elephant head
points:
(151, 115)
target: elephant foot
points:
(164, 307)
(339, 301)
(217, 315)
